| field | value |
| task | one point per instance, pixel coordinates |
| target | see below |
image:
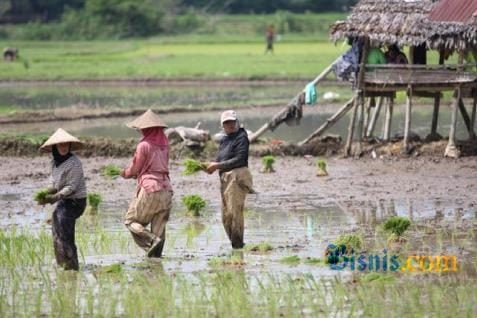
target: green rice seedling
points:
(194, 204)
(291, 260)
(314, 261)
(345, 244)
(268, 162)
(321, 165)
(94, 199)
(376, 277)
(111, 171)
(233, 260)
(397, 225)
(193, 166)
(40, 196)
(262, 247)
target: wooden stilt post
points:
(360, 124)
(349, 141)
(374, 117)
(359, 101)
(329, 122)
(435, 114)
(407, 123)
(388, 120)
(367, 115)
(474, 106)
(451, 149)
(435, 119)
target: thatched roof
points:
(454, 24)
(405, 22)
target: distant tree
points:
(33, 10)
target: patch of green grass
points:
(233, 260)
(262, 247)
(314, 261)
(111, 269)
(143, 59)
(290, 260)
(376, 277)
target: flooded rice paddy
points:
(295, 213)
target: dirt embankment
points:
(326, 146)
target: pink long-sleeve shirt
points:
(150, 167)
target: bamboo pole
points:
(267, 125)
(374, 117)
(451, 149)
(388, 120)
(329, 122)
(407, 123)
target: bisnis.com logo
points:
(338, 260)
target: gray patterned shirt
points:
(68, 178)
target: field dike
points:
(14, 146)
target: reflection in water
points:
(193, 230)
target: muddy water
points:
(71, 99)
(252, 119)
(292, 225)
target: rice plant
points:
(321, 165)
(112, 171)
(193, 166)
(194, 204)
(267, 162)
(94, 199)
(262, 247)
(40, 196)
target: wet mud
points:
(295, 212)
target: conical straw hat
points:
(147, 120)
(61, 136)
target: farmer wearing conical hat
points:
(153, 197)
(68, 189)
(235, 177)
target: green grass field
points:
(143, 59)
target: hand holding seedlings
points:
(212, 167)
(193, 166)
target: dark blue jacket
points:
(233, 151)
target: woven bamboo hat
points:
(61, 136)
(147, 120)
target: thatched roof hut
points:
(450, 24)
(385, 22)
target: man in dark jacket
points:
(235, 177)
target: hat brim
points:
(75, 145)
(228, 119)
